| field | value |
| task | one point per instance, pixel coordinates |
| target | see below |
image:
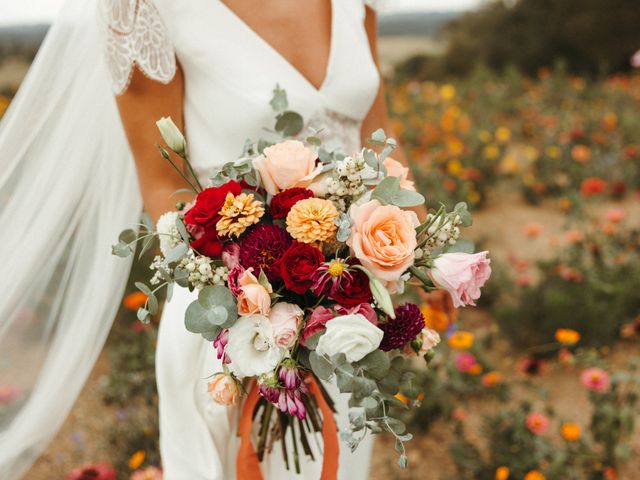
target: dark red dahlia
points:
(339, 280)
(299, 265)
(408, 323)
(263, 247)
(283, 201)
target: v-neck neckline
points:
(291, 66)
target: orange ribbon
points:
(247, 463)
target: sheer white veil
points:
(67, 187)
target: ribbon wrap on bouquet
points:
(247, 463)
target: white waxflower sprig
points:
(202, 273)
(346, 183)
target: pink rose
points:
(285, 318)
(384, 240)
(396, 169)
(537, 423)
(364, 309)
(316, 323)
(285, 165)
(462, 275)
(254, 297)
(224, 389)
(430, 339)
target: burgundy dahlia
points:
(408, 323)
(262, 248)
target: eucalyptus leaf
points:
(146, 246)
(152, 304)
(462, 210)
(369, 403)
(312, 342)
(121, 250)
(143, 315)
(177, 252)
(462, 246)
(376, 364)
(145, 219)
(321, 366)
(379, 136)
(289, 124)
(182, 230)
(279, 101)
(143, 288)
(128, 236)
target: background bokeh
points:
(529, 111)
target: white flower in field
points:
(252, 347)
(353, 335)
(168, 232)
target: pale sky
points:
(33, 11)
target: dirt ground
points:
(501, 227)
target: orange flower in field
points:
(136, 459)
(533, 229)
(574, 236)
(502, 473)
(581, 153)
(567, 336)
(610, 473)
(491, 379)
(570, 431)
(610, 121)
(475, 370)
(434, 318)
(534, 475)
(449, 185)
(135, 300)
(461, 340)
(593, 186)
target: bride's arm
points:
(378, 116)
(143, 103)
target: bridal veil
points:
(67, 188)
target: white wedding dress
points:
(230, 73)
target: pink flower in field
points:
(462, 275)
(93, 472)
(465, 362)
(595, 379)
(9, 394)
(149, 473)
(537, 423)
(635, 60)
(615, 215)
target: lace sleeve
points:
(136, 35)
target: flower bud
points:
(172, 136)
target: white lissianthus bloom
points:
(353, 335)
(168, 232)
(252, 347)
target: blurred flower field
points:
(542, 382)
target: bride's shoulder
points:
(136, 34)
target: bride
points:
(68, 186)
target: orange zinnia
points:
(461, 340)
(567, 336)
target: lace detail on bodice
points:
(136, 35)
(336, 131)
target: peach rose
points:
(462, 275)
(396, 169)
(254, 297)
(383, 239)
(285, 318)
(224, 389)
(285, 165)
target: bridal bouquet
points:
(295, 251)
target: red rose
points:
(201, 219)
(353, 288)
(298, 266)
(283, 201)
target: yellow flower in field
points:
(570, 431)
(454, 167)
(485, 136)
(137, 459)
(454, 145)
(509, 164)
(491, 152)
(503, 134)
(553, 152)
(564, 204)
(531, 153)
(312, 220)
(567, 336)
(461, 340)
(534, 475)
(474, 197)
(238, 213)
(433, 318)
(447, 92)
(502, 473)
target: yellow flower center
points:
(336, 268)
